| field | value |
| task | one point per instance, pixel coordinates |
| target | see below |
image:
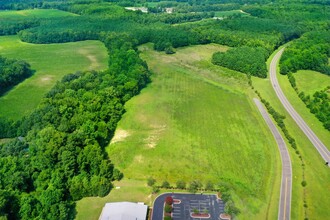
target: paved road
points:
(320, 147)
(286, 182)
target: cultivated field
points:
(316, 173)
(33, 13)
(51, 62)
(198, 121)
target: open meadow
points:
(33, 13)
(50, 62)
(198, 121)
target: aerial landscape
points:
(164, 109)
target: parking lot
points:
(189, 204)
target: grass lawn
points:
(51, 62)
(33, 13)
(90, 208)
(197, 121)
(316, 173)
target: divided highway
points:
(284, 208)
(320, 147)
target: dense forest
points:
(12, 72)
(248, 60)
(310, 52)
(56, 155)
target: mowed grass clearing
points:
(230, 13)
(198, 121)
(33, 13)
(317, 174)
(310, 81)
(51, 62)
(90, 208)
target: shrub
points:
(168, 208)
(167, 218)
(304, 183)
(166, 184)
(155, 189)
(209, 186)
(225, 196)
(151, 181)
(169, 200)
(231, 209)
(194, 186)
(181, 184)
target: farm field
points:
(33, 13)
(195, 117)
(51, 62)
(316, 173)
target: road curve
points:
(320, 147)
(284, 208)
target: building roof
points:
(124, 211)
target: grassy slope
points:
(197, 121)
(51, 62)
(316, 173)
(38, 13)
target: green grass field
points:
(33, 13)
(311, 81)
(316, 173)
(197, 121)
(90, 208)
(51, 62)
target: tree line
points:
(318, 103)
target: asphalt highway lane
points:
(320, 147)
(286, 182)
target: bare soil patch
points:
(94, 63)
(152, 139)
(120, 135)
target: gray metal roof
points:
(124, 211)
